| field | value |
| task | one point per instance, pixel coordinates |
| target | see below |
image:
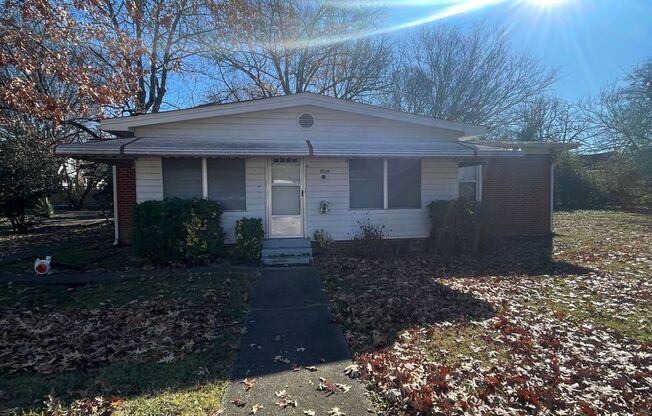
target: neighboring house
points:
(306, 162)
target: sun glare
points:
(546, 3)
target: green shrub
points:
(577, 186)
(249, 236)
(43, 208)
(323, 239)
(460, 226)
(178, 230)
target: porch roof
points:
(322, 147)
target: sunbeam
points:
(439, 10)
(451, 8)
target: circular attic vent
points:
(306, 120)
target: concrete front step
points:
(299, 251)
(304, 260)
(286, 252)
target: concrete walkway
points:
(289, 329)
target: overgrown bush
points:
(176, 230)
(249, 234)
(460, 226)
(323, 239)
(28, 173)
(576, 186)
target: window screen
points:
(365, 183)
(467, 176)
(182, 178)
(404, 183)
(226, 183)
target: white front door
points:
(285, 197)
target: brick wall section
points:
(126, 187)
(518, 192)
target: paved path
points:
(288, 326)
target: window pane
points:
(285, 200)
(467, 190)
(286, 172)
(365, 183)
(182, 178)
(226, 183)
(404, 183)
(467, 173)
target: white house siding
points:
(438, 181)
(149, 186)
(282, 124)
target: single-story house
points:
(307, 162)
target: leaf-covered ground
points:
(63, 228)
(150, 345)
(538, 326)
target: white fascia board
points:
(274, 103)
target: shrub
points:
(178, 230)
(369, 231)
(460, 226)
(323, 239)
(249, 236)
(576, 186)
(368, 241)
(43, 208)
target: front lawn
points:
(534, 327)
(151, 345)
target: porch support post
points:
(116, 232)
(204, 177)
(385, 185)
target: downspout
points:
(115, 205)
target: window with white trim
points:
(182, 178)
(468, 177)
(369, 179)
(227, 183)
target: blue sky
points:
(593, 42)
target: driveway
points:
(291, 348)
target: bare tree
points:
(470, 76)
(289, 46)
(621, 115)
(547, 119)
(166, 31)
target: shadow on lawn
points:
(516, 256)
(376, 299)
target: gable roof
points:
(122, 125)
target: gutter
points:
(122, 148)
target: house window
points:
(468, 180)
(227, 183)
(369, 179)
(182, 178)
(366, 182)
(404, 183)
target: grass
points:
(191, 383)
(96, 255)
(514, 327)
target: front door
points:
(285, 201)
